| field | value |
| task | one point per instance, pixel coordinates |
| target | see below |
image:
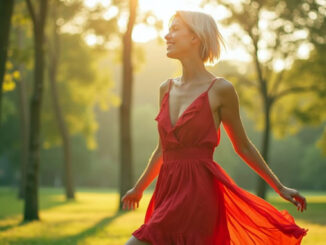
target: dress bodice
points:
(195, 128)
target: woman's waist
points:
(188, 152)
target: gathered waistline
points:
(188, 153)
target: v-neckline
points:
(188, 107)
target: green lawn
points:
(93, 218)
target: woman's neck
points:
(194, 71)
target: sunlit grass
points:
(314, 218)
(93, 218)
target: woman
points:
(195, 202)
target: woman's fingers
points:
(299, 207)
(126, 204)
(291, 199)
(130, 204)
(294, 202)
(302, 201)
(294, 197)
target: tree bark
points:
(126, 170)
(63, 129)
(22, 90)
(23, 110)
(32, 172)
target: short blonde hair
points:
(205, 27)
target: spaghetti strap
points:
(170, 80)
(212, 83)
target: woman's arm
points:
(230, 117)
(151, 171)
(156, 159)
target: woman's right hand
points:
(293, 196)
(131, 198)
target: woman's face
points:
(180, 40)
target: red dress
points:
(195, 202)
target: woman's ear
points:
(195, 38)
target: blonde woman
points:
(195, 202)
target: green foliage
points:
(20, 49)
(313, 169)
(310, 107)
(81, 86)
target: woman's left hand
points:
(294, 197)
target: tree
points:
(32, 171)
(6, 9)
(270, 26)
(21, 59)
(130, 62)
(54, 56)
(125, 108)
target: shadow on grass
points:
(11, 205)
(22, 223)
(74, 239)
(7, 227)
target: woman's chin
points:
(171, 55)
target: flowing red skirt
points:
(197, 203)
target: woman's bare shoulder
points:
(223, 86)
(222, 83)
(164, 86)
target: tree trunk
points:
(6, 9)
(32, 172)
(64, 132)
(23, 108)
(126, 171)
(23, 113)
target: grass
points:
(92, 218)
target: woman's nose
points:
(167, 36)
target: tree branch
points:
(279, 76)
(248, 82)
(278, 79)
(295, 90)
(43, 12)
(31, 11)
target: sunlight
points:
(93, 3)
(304, 50)
(112, 11)
(278, 65)
(143, 33)
(91, 39)
(164, 12)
